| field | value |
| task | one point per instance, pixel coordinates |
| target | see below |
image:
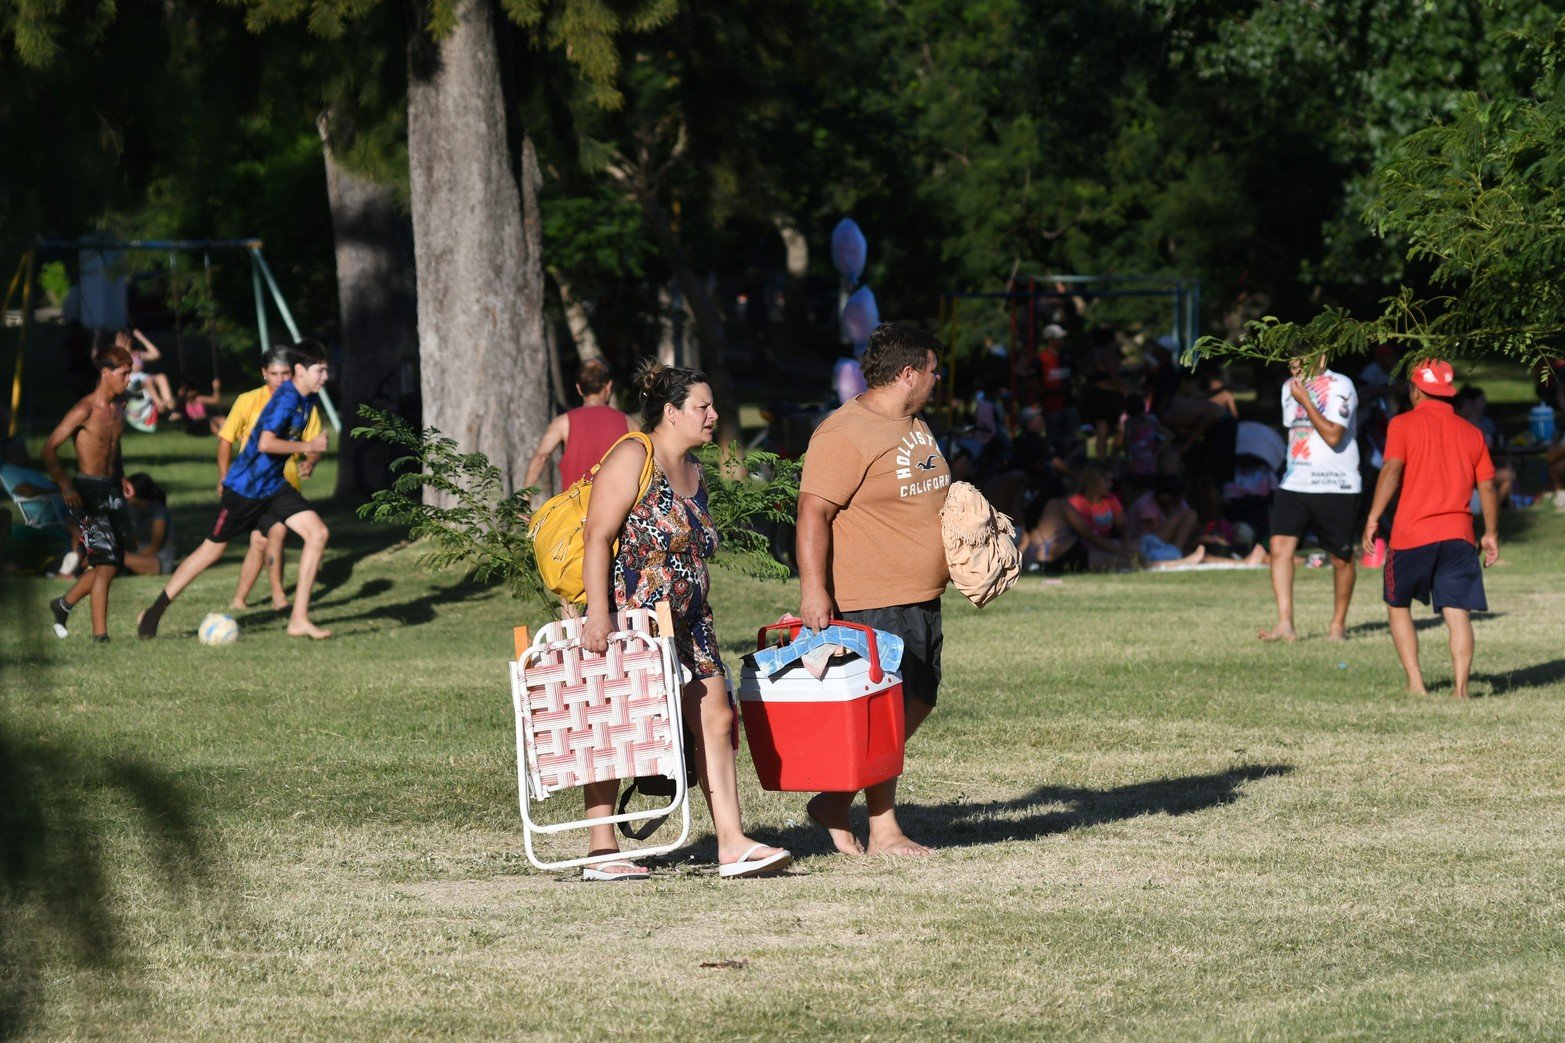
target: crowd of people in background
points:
(1112, 455)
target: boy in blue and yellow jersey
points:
(266, 539)
(255, 487)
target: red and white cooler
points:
(842, 732)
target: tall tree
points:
(378, 304)
(483, 361)
(473, 190)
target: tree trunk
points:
(668, 326)
(480, 279)
(576, 319)
(709, 324)
(378, 305)
(796, 319)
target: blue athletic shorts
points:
(1445, 574)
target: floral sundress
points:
(663, 548)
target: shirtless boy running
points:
(96, 498)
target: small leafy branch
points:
(764, 488)
(487, 532)
(481, 529)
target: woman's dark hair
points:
(145, 488)
(658, 385)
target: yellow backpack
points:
(557, 525)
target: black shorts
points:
(104, 520)
(1331, 515)
(1447, 572)
(919, 628)
(237, 515)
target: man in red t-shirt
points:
(586, 432)
(1436, 458)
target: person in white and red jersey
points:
(1320, 489)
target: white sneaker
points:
(1559, 500)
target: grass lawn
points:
(1150, 825)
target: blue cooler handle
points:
(793, 628)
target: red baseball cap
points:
(1434, 377)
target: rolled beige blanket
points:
(980, 545)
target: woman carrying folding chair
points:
(664, 537)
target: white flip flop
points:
(762, 867)
(596, 874)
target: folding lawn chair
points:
(42, 511)
(584, 718)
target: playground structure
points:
(1182, 292)
(262, 280)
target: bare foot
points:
(280, 607)
(1459, 693)
(1337, 634)
(237, 606)
(830, 812)
(899, 844)
(1279, 633)
(307, 629)
(1416, 689)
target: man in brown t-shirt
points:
(869, 547)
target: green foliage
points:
(486, 532)
(1480, 200)
(743, 489)
(55, 280)
(603, 234)
(482, 530)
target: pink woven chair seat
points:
(591, 718)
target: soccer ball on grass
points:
(218, 629)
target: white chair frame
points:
(636, 628)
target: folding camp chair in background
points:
(41, 511)
(583, 718)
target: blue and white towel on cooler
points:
(769, 661)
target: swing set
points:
(263, 283)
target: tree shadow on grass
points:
(1023, 818)
(371, 589)
(414, 611)
(1037, 814)
(1419, 623)
(62, 899)
(1539, 675)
